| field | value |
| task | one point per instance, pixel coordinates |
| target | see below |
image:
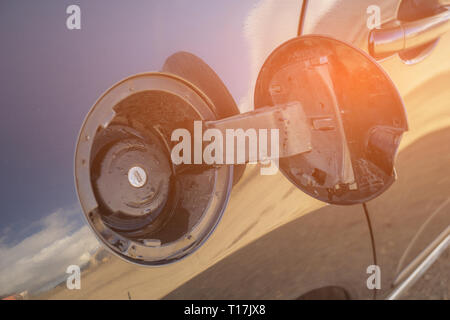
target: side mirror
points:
(354, 112)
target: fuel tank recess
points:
(139, 204)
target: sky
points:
(45, 255)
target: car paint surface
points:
(273, 241)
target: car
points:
(89, 89)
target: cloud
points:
(44, 256)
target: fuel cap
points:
(134, 176)
(131, 177)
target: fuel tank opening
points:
(139, 204)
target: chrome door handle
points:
(407, 35)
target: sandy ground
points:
(330, 245)
(259, 204)
(252, 207)
(241, 260)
